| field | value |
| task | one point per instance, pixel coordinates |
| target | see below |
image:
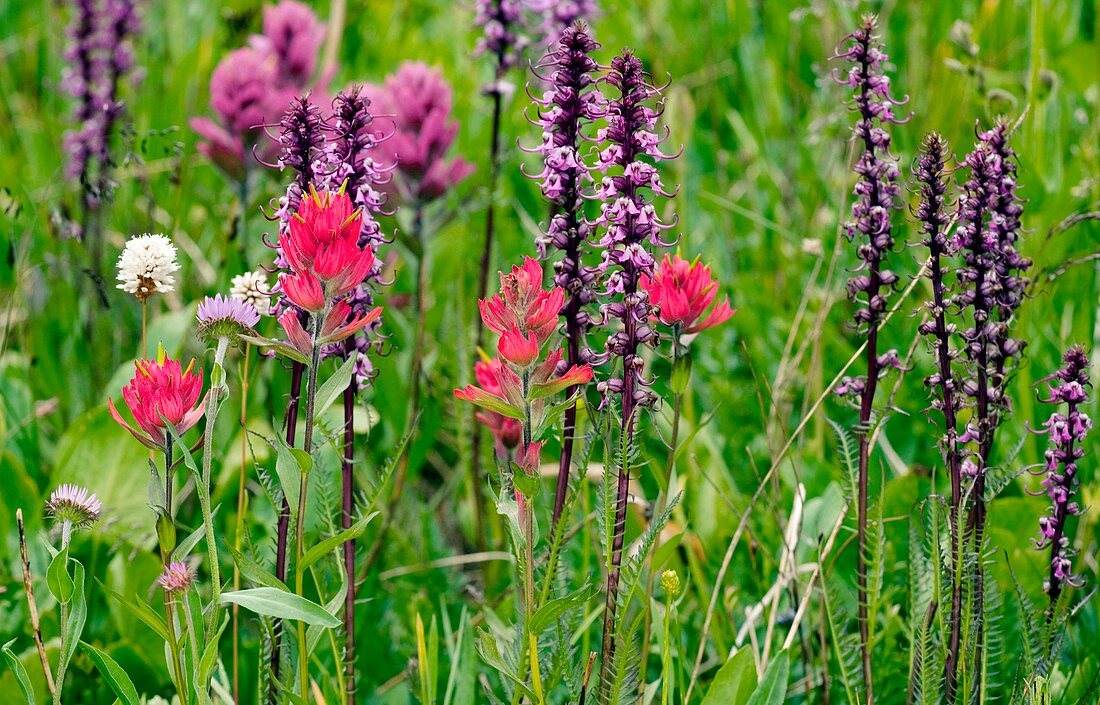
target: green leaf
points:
(278, 346)
(326, 546)
(256, 573)
(773, 686)
(735, 682)
(58, 579)
(142, 611)
(528, 485)
(120, 683)
(273, 602)
(334, 386)
(78, 615)
(549, 613)
(290, 465)
(21, 676)
(209, 658)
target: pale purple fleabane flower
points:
(225, 317)
(74, 505)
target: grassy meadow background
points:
(764, 184)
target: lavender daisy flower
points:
(225, 318)
(74, 505)
(177, 578)
(1066, 433)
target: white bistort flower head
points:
(252, 287)
(146, 265)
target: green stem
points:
(213, 403)
(666, 654)
(173, 647)
(311, 397)
(66, 535)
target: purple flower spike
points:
(500, 22)
(876, 189)
(991, 280)
(1067, 439)
(99, 54)
(556, 16)
(630, 223)
(565, 109)
(352, 140)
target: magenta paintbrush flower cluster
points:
(161, 391)
(682, 291)
(416, 99)
(253, 86)
(525, 316)
(326, 262)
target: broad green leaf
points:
(326, 546)
(773, 686)
(21, 676)
(256, 573)
(120, 683)
(681, 374)
(735, 682)
(273, 602)
(334, 386)
(528, 485)
(209, 660)
(58, 579)
(290, 464)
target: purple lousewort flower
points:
(991, 282)
(501, 23)
(1066, 433)
(74, 505)
(932, 213)
(352, 140)
(568, 106)
(876, 188)
(555, 16)
(225, 317)
(99, 53)
(301, 142)
(629, 221)
(418, 100)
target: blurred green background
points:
(764, 182)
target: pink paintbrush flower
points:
(323, 240)
(523, 304)
(506, 431)
(161, 388)
(419, 100)
(682, 291)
